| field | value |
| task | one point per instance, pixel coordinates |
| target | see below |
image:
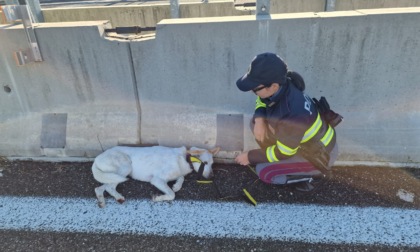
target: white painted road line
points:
(283, 222)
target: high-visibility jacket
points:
(295, 120)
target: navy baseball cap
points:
(265, 69)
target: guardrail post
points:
(21, 13)
(330, 5)
(34, 8)
(262, 8)
(12, 2)
(174, 8)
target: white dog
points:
(157, 165)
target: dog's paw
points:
(156, 198)
(121, 200)
(176, 188)
(101, 204)
(163, 197)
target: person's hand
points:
(260, 130)
(242, 158)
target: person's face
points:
(265, 92)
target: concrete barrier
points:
(83, 92)
(141, 15)
(364, 62)
(150, 15)
(292, 6)
(343, 5)
(119, 16)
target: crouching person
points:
(295, 133)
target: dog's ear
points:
(195, 152)
(215, 150)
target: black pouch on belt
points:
(329, 115)
(316, 153)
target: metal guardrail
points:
(21, 14)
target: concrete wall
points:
(150, 15)
(141, 15)
(291, 6)
(341, 5)
(120, 16)
(83, 76)
(364, 62)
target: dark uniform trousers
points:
(292, 170)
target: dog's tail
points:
(107, 177)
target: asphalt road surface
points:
(48, 206)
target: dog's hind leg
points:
(163, 187)
(112, 190)
(99, 191)
(178, 184)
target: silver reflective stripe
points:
(286, 150)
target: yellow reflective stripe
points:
(271, 156)
(312, 130)
(259, 103)
(286, 150)
(326, 139)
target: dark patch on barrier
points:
(53, 132)
(230, 132)
(245, 3)
(131, 29)
(7, 89)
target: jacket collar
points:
(279, 96)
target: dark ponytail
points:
(296, 79)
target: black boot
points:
(304, 186)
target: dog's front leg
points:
(178, 184)
(163, 187)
